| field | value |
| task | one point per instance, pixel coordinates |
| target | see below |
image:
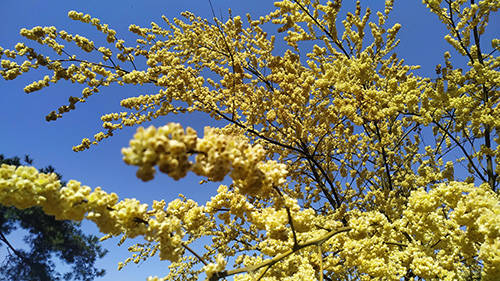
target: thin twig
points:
(336, 41)
(194, 253)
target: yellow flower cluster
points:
(104, 28)
(212, 268)
(220, 155)
(457, 226)
(169, 148)
(13, 69)
(24, 187)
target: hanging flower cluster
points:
(169, 147)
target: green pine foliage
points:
(47, 242)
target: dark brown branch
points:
(457, 33)
(333, 38)
(487, 130)
(464, 151)
(384, 157)
(313, 164)
(194, 253)
(256, 133)
(396, 244)
(16, 252)
(290, 221)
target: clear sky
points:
(23, 128)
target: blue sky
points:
(24, 129)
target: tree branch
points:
(336, 41)
(471, 162)
(487, 130)
(272, 261)
(384, 157)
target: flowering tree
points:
(345, 164)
